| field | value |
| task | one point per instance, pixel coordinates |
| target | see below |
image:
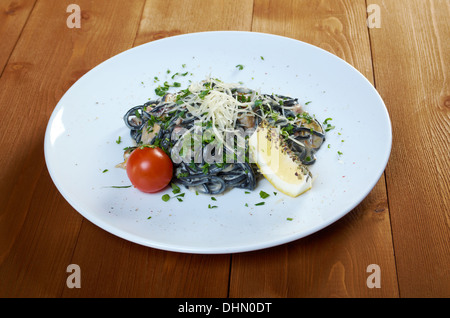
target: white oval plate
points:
(80, 142)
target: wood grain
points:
(411, 61)
(330, 263)
(13, 16)
(113, 267)
(39, 229)
(403, 225)
(154, 273)
(333, 262)
(161, 19)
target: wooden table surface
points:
(403, 225)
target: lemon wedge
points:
(277, 163)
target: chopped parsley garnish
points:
(263, 194)
(305, 116)
(161, 91)
(240, 67)
(212, 206)
(328, 126)
(205, 168)
(258, 103)
(203, 93)
(260, 203)
(165, 197)
(175, 189)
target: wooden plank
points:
(338, 26)
(411, 54)
(334, 261)
(38, 228)
(13, 16)
(329, 263)
(161, 19)
(126, 269)
(113, 267)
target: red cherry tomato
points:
(149, 169)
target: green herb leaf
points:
(165, 197)
(329, 127)
(260, 203)
(263, 194)
(175, 189)
(205, 168)
(161, 91)
(203, 93)
(240, 67)
(147, 146)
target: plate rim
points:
(211, 250)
